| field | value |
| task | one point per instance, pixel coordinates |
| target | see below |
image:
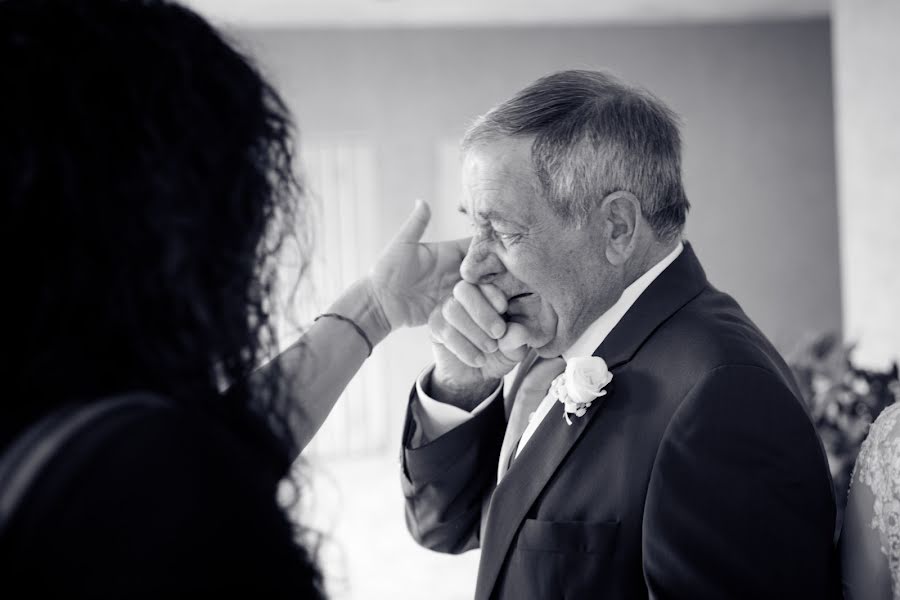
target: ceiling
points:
(430, 13)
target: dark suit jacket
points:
(699, 476)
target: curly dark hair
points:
(147, 187)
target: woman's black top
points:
(158, 504)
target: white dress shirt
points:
(436, 418)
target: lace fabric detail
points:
(878, 466)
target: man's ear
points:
(621, 213)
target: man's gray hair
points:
(594, 135)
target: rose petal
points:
(585, 377)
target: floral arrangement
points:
(843, 400)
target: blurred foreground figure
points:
(146, 188)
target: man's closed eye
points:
(508, 239)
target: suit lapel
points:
(554, 439)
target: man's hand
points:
(473, 346)
(410, 277)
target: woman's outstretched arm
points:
(406, 283)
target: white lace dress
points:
(870, 542)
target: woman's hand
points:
(403, 288)
(411, 278)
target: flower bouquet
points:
(843, 400)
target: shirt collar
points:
(597, 331)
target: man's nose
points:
(480, 264)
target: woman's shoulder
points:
(166, 495)
(883, 434)
(875, 492)
(174, 437)
(887, 421)
(143, 455)
(150, 434)
(879, 455)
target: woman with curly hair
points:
(147, 187)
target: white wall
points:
(867, 102)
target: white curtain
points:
(339, 175)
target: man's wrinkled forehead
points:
(495, 207)
(499, 159)
(498, 183)
(513, 215)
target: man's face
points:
(555, 276)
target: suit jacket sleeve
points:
(739, 503)
(446, 481)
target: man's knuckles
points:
(479, 305)
(516, 337)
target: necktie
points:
(531, 392)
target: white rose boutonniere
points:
(580, 384)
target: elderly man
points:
(690, 469)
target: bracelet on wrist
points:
(355, 326)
